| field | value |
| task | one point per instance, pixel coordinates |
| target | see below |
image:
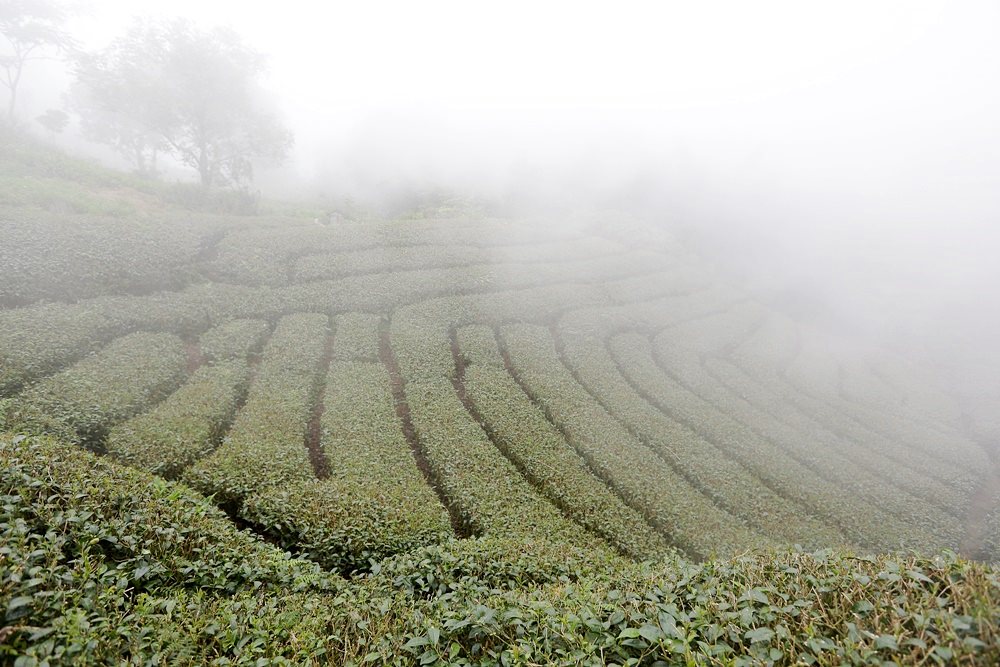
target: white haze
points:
(844, 153)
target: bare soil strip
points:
(195, 358)
(314, 430)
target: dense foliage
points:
(102, 564)
(456, 441)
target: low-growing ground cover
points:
(186, 425)
(170, 579)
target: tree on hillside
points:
(53, 120)
(31, 28)
(194, 94)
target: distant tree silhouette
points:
(54, 120)
(32, 29)
(172, 87)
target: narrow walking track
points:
(195, 359)
(314, 430)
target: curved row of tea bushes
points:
(39, 339)
(811, 345)
(864, 477)
(922, 395)
(422, 329)
(267, 257)
(346, 525)
(748, 361)
(526, 437)
(375, 502)
(266, 444)
(42, 338)
(904, 474)
(816, 371)
(796, 364)
(383, 292)
(706, 467)
(637, 474)
(483, 488)
(235, 339)
(864, 382)
(386, 259)
(59, 257)
(84, 401)
(186, 426)
(358, 337)
(784, 475)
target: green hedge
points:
(637, 474)
(812, 463)
(184, 427)
(83, 402)
(709, 471)
(376, 502)
(388, 259)
(266, 445)
(100, 564)
(235, 339)
(357, 337)
(544, 456)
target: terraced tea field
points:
(390, 384)
(591, 392)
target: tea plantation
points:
(458, 440)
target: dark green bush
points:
(100, 564)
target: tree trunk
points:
(13, 95)
(204, 168)
(13, 82)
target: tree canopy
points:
(29, 28)
(175, 88)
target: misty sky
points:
(847, 148)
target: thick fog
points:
(842, 159)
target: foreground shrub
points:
(101, 564)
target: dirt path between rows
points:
(314, 429)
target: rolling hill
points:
(455, 439)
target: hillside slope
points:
(548, 404)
